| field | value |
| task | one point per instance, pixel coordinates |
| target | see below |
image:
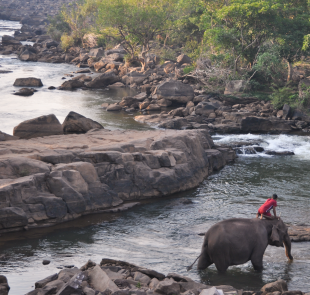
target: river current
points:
(160, 234)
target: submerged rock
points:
(24, 92)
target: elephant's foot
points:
(258, 265)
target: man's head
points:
(274, 196)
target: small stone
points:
(46, 262)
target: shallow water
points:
(157, 234)
(164, 236)
(15, 109)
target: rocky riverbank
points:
(52, 179)
(119, 277)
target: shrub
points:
(188, 69)
(284, 95)
(66, 42)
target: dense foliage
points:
(258, 40)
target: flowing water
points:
(15, 109)
(163, 234)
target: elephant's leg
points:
(221, 262)
(257, 260)
(204, 261)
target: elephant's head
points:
(279, 236)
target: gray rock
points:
(175, 91)
(286, 111)
(96, 52)
(28, 82)
(142, 278)
(38, 127)
(235, 86)
(134, 78)
(168, 287)
(28, 56)
(76, 123)
(42, 283)
(103, 80)
(12, 217)
(51, 287)
(100, 280)
(67, 274)
(73, 286)
(24, 92)
(279, 285)
(114, 107)
(4, 286)
(9, 40)
(6, 137)
(184, 59)
(71, 84)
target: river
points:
(162, 234)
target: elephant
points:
(238, 240)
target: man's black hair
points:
(274, 196)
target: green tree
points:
(240, 27)
(291, 25)
(135, 23)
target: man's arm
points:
(274, 211)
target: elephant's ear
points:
(274, 237)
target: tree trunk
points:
(289, 71)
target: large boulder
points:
(71, 84)
(184, 59)
(103, 80)
(175, 91)
(38, 127)
(9, 40)
(28, 56)
(28, 82)
(76, 123)
(49, 43)
(205, 108)
(100, 280)
(134, 78)
(4, 286)
(279, 285)
(235, 86)
(12, 217)
(96, 52)
(255, 124)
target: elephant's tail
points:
(191, 266)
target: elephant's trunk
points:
(287, 244)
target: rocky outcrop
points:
(5, 137)
(175, 91)
(120, 277)
(28, 82)
(76, 123)
(299, 233)
(37, 127)
(53, 179)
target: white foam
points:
(300, 145)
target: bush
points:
(66, 42)
(284, 95)
(188, 69)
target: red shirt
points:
(267, 206)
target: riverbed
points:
(160, 234)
